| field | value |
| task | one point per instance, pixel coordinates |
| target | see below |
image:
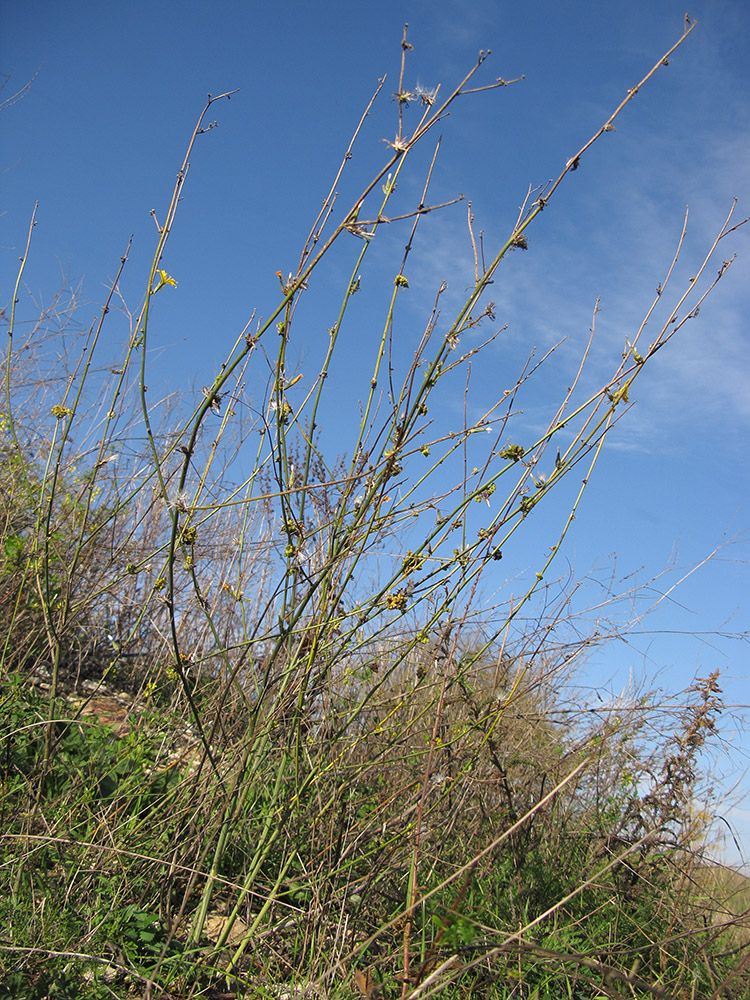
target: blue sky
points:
(99, 138)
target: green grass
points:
(263, 736)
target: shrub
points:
(341, 760)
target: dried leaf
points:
(365, 983)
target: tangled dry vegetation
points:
(264, 736)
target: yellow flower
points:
(164, 279)
(396, 601)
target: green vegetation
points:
(262, 734)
